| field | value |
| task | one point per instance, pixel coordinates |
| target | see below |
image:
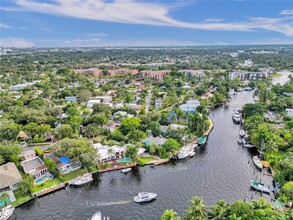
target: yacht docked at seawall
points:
(6, 212)
(185, 151)
(79, 181)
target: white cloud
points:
(287, 12)
(4, 26)
(15, 42)
(214, 20)
(142, 12)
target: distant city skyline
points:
(94, 23)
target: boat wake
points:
(99, 204)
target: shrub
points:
(39, 152)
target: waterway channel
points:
(220, 170)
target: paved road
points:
(148, 100)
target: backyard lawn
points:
(145, 160)
(19, 198)
(72, 175)
(45, 185)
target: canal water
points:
(220, 170)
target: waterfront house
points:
(121, 114)
(190, 106)
(154, 140)
(91, 103)
(9, 179)
(35, 167)
(107, 153)
(289, 111)
(21, 86)
(65, 165)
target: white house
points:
(9, 179)
(289, 111)
(158, 103)
(190, 106)
(107, 153)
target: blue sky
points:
(63, 23)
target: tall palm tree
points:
(170, 214)
(197, 211)
(219, 211)
(4, 197)
(260, 203)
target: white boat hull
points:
(257, 162)
(6, 212)
(126, 170)
(150, 197)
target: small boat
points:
(247, 145)
(202, 141)
(236, 119)
(97, 216)
(256, 99)
(259, 186)
(144, 197)
(126, 170)
(192, 154)
(257, 162)
(242, 133)
(6, 212)
(79, 181)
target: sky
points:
(93, 23)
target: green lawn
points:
(45, 185)
(145, 160)
(72, 175)
(20, 199)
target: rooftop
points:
(9, 175)
(32, 164)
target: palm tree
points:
(219, 211)
(260, 204)
(197, 211)
(4, 197)
(170, 214)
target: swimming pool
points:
(41, 180)
(124, 160)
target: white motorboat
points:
(259, 186)
(247, 145)
(144, 197)
(257, 162)
(97, 216)
(236, 119)
(126, 170)
(86, 178)
(184, 152)
(6, 212)
(242, 133)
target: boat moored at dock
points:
(257, 162)
(202, 141)
(6, 212)
(259, 186)
(126, 170)
(79, 181)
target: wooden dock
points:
(116, 168)
(161, 161)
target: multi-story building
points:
(91, 71)
(122, 71)
(156, 75)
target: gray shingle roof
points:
(9, 175)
